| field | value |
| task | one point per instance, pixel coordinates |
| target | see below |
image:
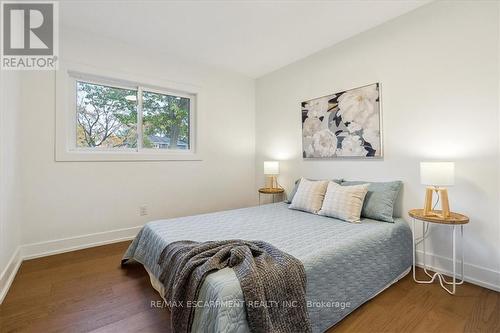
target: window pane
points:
(106, 116)
(165, 121)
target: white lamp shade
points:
(271, 168)
(437, 173)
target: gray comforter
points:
(269, 278)
(346, 264)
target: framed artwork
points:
(344, 124)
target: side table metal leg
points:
(454, 281)
(425, 232)
(462, 245)
(461, 257)
(414, 249)
(454, 261)
(415, 243)
(424, 249)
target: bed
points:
(346, 264)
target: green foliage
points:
(165, 116)
(106, 118)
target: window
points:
(106, 117)
(165, 121)
(120, 120)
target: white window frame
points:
(66, 118)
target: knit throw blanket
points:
(273, 282)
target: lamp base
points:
(445, 204)
(272, 182)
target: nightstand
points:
(455, 220)
(275, 192)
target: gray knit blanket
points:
(273, 282)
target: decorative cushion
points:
(344, 202)
(296, 186)
(380, 199)
(309, 195)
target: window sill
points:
(108, 156)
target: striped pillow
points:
(296, 186)
(309, 195)
(344, 202)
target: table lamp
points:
(437, 175)
(271, 169)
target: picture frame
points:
(346, 124)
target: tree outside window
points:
(107, 117)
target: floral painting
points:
(345, 124)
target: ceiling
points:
(249, 37)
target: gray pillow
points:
(380, 199)
(296, 186)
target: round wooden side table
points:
(271, 191)
(454, 221)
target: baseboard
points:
(43, 249)
(481, 276)
(9, 273)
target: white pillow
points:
(344, 202)
(309, 195)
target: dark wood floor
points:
(87, 290)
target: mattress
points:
(346, 264)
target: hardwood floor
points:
(87, 290)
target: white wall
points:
(438, 67)
(67, 199)
(10, 233)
